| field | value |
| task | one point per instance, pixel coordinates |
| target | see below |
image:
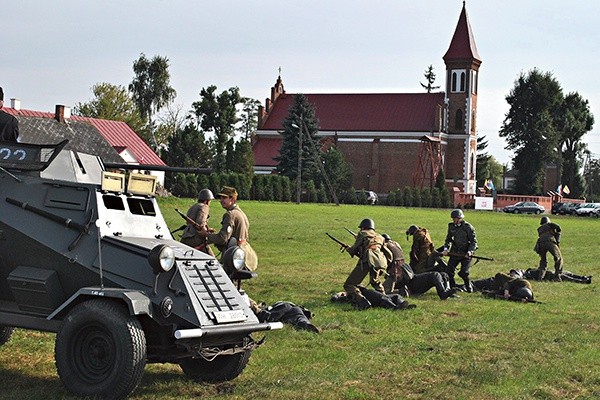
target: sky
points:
(53, 52)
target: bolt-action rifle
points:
(204, 245)
(464, 255)
(350, 232)
(343, 246)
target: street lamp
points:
(299, 178)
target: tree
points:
(430, 78)
(530, 128)
(249, 117)
(244, 158)
(151, 89)
(574, 122)
(487, 166)
(338, 170)
(300, 129)
(217, 115)
(114, 103)
(188, 147)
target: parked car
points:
(525, 207)
(569, 208)
(371, 196)
(556, 207)
(589, 210)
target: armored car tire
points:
(100, 350)
(5, 334)
(221, 369)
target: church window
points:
(474, 82)
(458, 81)
(458, 121)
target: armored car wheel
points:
(100, 350)
(5, 334)
(221, 369)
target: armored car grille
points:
(212, 287)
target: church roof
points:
(375, 112)
(462, 46)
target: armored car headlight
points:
(234, 259)
(161, 258)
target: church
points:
(393, 140)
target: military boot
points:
(541, 274)
(468, 286)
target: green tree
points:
(249, 117)
(487, 166)
(151, 89)
(114, 103)
(217, 115)
(188, 148)
(300, 129)
(430, 78)
(338, 171)
(575, 121)
(530, 128)
(243, 158)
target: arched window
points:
(462, 81)
(459, 120)
(458, 81)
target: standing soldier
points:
(460, 244)
(549, 242)
(421, 250)
(372, 261)
(234, 225)
(197, 220)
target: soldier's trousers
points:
(357, 275)
(465, 265)
(546, 247)
(421, 283)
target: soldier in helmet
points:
(509, 286)
(461, 242)
(548, 242)
(368, 247)
(423, 257)
(198, 215)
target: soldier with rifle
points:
(460, 244)
(197, 221)
(372, 261)
(548, 241)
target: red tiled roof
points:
(395, 112)
(462, 46)
(265, 149)
(117, 133)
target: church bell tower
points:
(462, 75)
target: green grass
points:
(466, 348)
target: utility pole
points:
(299, 175)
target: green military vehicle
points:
(87, 254)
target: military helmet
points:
(457, 213)
(412, 230)
(523, 293)
(544, 220)
(386, 237)
(367, 223)
(205, 194)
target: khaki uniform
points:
(394, 269)
(198, 213)
(421, 250)
(235, 224)
(548, 242)
(368, 246)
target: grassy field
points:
(466, 348)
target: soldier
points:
(198, 215)
(368, 247)
(462, 243)
(407, 282)
(287, 312)
(234, 227)
(509, 286)
(565, 276)
(394, 268)
(423, 257)
(548, 242)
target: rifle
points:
(343, 246)
(189, 220)
(350, 232)
(459, 255)
(495, 295)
